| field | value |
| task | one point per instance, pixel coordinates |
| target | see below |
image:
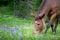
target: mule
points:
(48, 7)
(39, 24)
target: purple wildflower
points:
(14, 31)
(17, 27)
(5, 28)
(10, 28)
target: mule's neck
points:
(44, 9)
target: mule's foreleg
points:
(49, 16)
(55, 26)
(51, 21)
(52, 27)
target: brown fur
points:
(48, 7)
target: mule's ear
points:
(33, 15)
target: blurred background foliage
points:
(19, 8)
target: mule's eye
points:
(38, 24)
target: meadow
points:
(13, 28)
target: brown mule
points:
(48, 7)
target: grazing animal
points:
(48, 8)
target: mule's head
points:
(38, 24)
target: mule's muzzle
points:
(36, 32)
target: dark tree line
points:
(5, 2)
(22, 8)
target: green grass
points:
(26, 29)
(6, 10)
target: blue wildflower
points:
(14, 31)
(17, 27)
(10, 28)
(5, 28)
